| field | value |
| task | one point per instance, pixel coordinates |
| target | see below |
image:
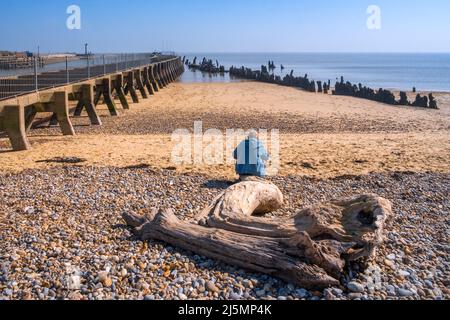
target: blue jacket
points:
(251, 156)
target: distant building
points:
(5, 53)
(18, 55)
(21, 55)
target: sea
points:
(395, 71)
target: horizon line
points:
(243, 52)
(331, 52)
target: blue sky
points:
(226, 26)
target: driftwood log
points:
(309, 248)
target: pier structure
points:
(103, 83)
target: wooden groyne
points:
(207, 65)
(341, 87)
(17, 114)
(381, 95)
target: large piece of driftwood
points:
(359, 220)
(309, 249)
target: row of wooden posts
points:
(17, 114)
(341, 88)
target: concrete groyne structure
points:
(18, 113)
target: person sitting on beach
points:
(251, 157)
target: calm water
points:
(390, 71)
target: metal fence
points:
(70, 71)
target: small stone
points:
(235, 296)
(107, 282)
(182, 296)
(391, 257)
(429, 284)
(26, 296)
(404, 292)
(389, 263)
(301, 293)
(317, 293)
(355, 295)
(248, 284)
(104, 278)
(336, 291)
(29, 210)
(255, 282)
(260, 293)
(75, 296)
(328, 294)
(421, 293)
(404, 273)
(179, 280)
(74, 282)
(437, 292)
(390, 290)
(142, 265)
(282, 298)
(210, 286)
(355, 287)
(429, 293)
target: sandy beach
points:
(69, 215)
(334, 135)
